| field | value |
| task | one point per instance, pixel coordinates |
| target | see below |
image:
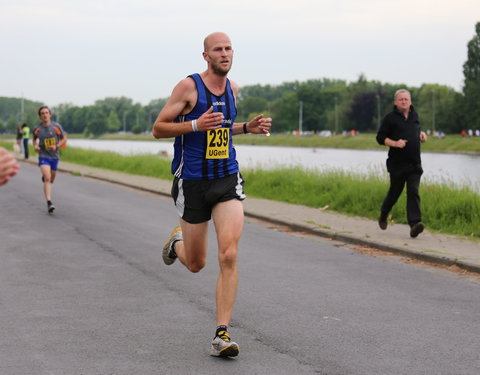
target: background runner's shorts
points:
(53, 163)
(195, 199)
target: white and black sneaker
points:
(168, 253)
(222, 346)
(50, 207)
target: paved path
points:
(85, 291)
(428, 246)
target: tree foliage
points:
(362, 111)
(11, 114)
(96, 121)
(471, 88)
(113, 122)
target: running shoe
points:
(222, 346)
(168, 254)
(51, 207)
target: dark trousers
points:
(397, 183)
(25, 147)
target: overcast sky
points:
(78, 51)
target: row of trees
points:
(322, 104)
(108, 115)
(337, 105)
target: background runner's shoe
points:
(51, 207)
(222, 346)
(168, 253)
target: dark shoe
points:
(51, 207)
(383, 221)
(416, 229)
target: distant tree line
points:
(337, 105)
(320, 104)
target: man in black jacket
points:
(400, 130)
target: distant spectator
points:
(470, 132)
(26, 136)
(439, 134)
(477, 133)
(18, 144)
(463, 133)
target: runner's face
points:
(219, 54)
(403, 101)
(45, 115)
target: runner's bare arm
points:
(257, 125)
(62, 140)
(34, 142)
(182, 101)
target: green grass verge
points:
(444, 209)
(144, 165)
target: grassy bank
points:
(144, 165)
(445, 209)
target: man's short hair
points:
(43, 107)
(400, 91)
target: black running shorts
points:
(195, 200)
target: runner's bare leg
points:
(192, 251)
(47, 183)
(228, 218)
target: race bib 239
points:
(217, 143)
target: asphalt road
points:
(85, 291)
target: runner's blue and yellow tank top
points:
(207, 155)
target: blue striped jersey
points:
(207, 155)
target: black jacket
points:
(395, 126)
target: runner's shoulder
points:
(185, 85)
(185, 92)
